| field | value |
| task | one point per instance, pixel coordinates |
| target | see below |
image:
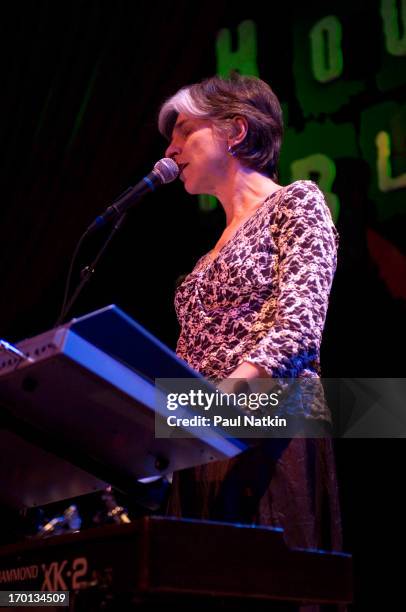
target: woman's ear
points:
(239, 130)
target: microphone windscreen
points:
(167, 169)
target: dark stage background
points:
(82, 83)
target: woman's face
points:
(200, 152)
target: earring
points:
(230, 151)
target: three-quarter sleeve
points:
(290, 328)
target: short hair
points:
(220, 100)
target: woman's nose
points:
(172, 150)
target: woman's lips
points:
(182, 167)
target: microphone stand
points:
(89, 270)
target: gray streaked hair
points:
(221, 100)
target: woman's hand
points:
(249, 371)
(245, 372)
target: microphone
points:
(165, 171)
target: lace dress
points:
(264, 299)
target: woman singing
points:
(255, 305)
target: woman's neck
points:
(242, 192)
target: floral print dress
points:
(263, 299)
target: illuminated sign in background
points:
(345, 113)
(376, 134)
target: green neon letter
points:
(325, 167)
(395, 45)
(244, 59)
(383, 165)
(326, 52)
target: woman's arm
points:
(307, 247)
